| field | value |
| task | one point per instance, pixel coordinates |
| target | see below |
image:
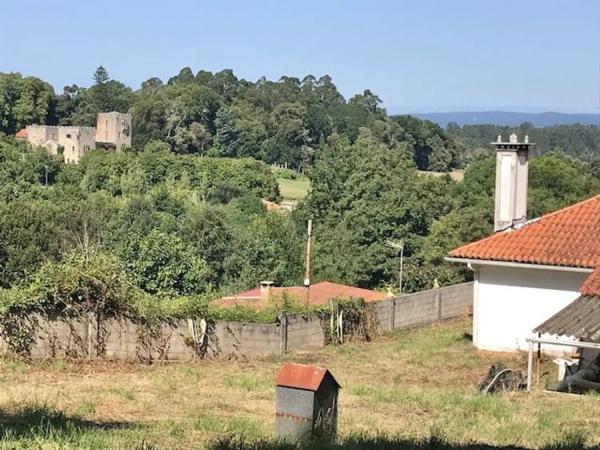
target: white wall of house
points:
(509, 302)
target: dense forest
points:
(179, 216)
(580, 141)
(285, 122)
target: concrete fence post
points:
(283, 330)
(90, 331)
(438, 304)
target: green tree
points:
(24, 101)
(104, 96)
(162, 264)
(190, 117)
(101, 75)
(557, 180)
(363, 195)
(267, 247)
(30, 233)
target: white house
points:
(527, 271)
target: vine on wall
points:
(90, 289)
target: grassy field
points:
(294, 189)
(396, 392)
(456, 174)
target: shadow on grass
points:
(570, 442)
(45, 422)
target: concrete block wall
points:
(415, 309)
(182, 342)
(121, 340)
(433, 305)
(245, 340)
(304, 333)
(383, 313)
(456, 299)
(179, 340)
(73, 338)
(126, 340)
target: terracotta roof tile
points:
(320, 293)
(568, 237)
(21, 134)
(591, 285)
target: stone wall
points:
(75, 140)
(113, 128)
(187, 339)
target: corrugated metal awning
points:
(580, 319)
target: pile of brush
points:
(502, 379)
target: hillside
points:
(509, 118)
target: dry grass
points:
(409, 385)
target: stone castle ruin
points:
(113, 131)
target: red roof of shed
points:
(567, 237)
(302, 376)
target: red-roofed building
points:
(528, 270)
(21, 134)
(591, 286)
(318, 294)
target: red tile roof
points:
(21, 134)
(320, 293)
(591, 285)
(302, 376)
(568, 237)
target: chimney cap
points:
(512, 144)
(266, 283)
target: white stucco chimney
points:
(512, 165)
(265, 289)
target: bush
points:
(286, 174)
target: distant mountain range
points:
(509, 118)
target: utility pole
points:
(307, 273)
(398, 245)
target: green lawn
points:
(294, 189)
(411, 389)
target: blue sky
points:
(416, 55)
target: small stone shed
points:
(306, 401)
